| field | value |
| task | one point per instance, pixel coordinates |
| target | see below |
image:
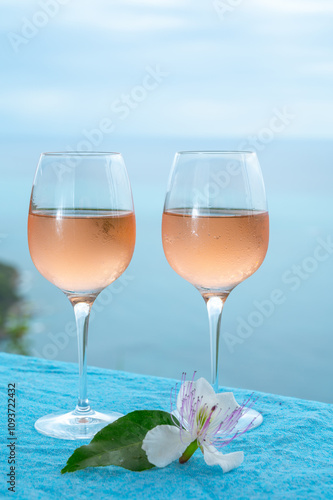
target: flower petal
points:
(227, 462)
(202, 389)
(226, 402)
(163, 445)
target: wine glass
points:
(215, 231)
(81, 233)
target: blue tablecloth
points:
(289, 456)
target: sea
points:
(277, 326)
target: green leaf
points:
(120, 443)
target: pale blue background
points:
(223, 78)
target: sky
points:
(166, 67)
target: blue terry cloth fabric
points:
(289, 456)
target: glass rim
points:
(224, 152)
(81, 153)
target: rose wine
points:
(216, 249)
(81, 250)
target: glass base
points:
(248, 421)
(75, 424)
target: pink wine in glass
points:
(81, 250)
(215, 231)
(81, 233)
(216, 249)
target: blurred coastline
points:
(14, 313)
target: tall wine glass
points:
(81, 233)
(215, 231)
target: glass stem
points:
(82, 312)
(214, 307)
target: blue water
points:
(276, 327)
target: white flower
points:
(206, 420)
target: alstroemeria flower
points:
(206, 420)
